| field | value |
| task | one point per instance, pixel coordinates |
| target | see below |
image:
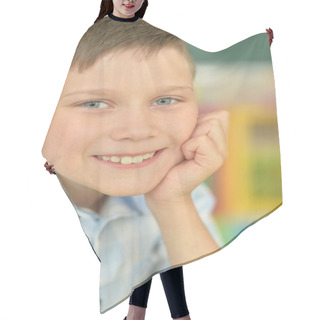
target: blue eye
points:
(95, 104)
(164, 101)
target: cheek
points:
(184, 126)
(116, 3)
(66, 139)
(139, 3)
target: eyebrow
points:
(102, 91)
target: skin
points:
(141, 104)
(126, 8)
(154, 109)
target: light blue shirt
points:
(128, 241)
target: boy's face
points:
(119, 124)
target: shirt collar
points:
(111, 16)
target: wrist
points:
(175, 204)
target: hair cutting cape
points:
(117, 138)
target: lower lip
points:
(118, 165)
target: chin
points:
(124, 193)
(127, 190)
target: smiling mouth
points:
(129, 6)
(127, 160)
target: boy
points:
(127, 125)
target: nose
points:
(135, 125)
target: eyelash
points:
(172, 101)
(90, 102)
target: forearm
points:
(185, 236)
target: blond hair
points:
(108, 35)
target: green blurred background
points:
(240, 79)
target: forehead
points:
(135, 67)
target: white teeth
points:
(127, 159)
(137, 159)
(114, 159)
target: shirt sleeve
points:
(205, 202)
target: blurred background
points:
(240, 79)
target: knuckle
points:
(214, 121)
(204, 139)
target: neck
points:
(117, 18)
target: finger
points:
(213, 128)
(221, 115)
(203, 155)
(213, 114)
